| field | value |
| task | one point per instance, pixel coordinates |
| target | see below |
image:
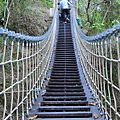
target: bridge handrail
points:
(24, 61)
(107, 33)
(6, 32)
(100, 60)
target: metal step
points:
(63, 108)
(64, 103)
(62, 72)
(64, 114)
(65, 119)
(64, 98)
(66, 63)
(62, 90)
(64, 51)
(65, 86)
(64, 83)
(66, 69)
(65, 77)
(65, 80)
(64, 94)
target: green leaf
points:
(118, 1)
(115, 22)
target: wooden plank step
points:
(62, 50)
(64, 58)
(65, 86)
(64, 53)
(65, 66)
(64, 103)
(65, 80)
(69, 71)
(63, 62)
(61, 43)
(64, 98)
(62, 74)
(62, 90)
(63, 114)
(66, 69)
(63, 108)
(65, 77)
(69, 46)
(64, 94)
(66, 119)
(64, 83)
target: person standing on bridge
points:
(65, 7)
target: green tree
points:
(99, 14)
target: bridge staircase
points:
(66, 96)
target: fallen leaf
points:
(95, 116)
(43, 94)
(32, 118)
(50, 68)
(91, 103)
(45, 85)
(48, 79)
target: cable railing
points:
(24, 61)
(100, 60)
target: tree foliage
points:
(15, 8)
(99, 14)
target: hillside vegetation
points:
(98, 15)
(29, 17)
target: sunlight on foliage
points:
(46, 3)
(114, 22)
(118, 1)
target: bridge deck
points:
(65, 95)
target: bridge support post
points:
(52, 9)
(53, 3)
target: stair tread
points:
(65, 93)
(64, 114)
(57, 107)
(64, 83)
(67, 102)
(62, 90)
(64, 97)
(60, 113)
(65, 86)
(64, 119)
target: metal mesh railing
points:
(100, 59)
(24, 61)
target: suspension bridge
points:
(61, 75)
